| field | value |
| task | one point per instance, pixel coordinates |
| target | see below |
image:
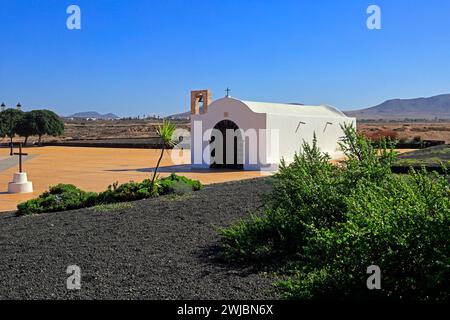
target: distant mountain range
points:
(419, 108)
(93, 114)
(395, 109)
(180, 116)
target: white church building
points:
(238, 134)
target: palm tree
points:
(165, 133)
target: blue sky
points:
(144, 56)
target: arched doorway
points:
(235, 150)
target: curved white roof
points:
(288, 108)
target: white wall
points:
(288, 142)
(292, 134)
(237, 112)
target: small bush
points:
(127, 192)
(257, 241)
(67, 197)
(177, 184)
(59, 198)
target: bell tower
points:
(197, 96)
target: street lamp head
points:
(19, 106)
(3, 107)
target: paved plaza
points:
(93, 169)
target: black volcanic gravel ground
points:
(164, 248)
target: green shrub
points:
(327, 224)
(177, 184)
(309, 191)
(59, 198)
(135, 191)
(66, 196)
(258, 239)
(127, 192)
(403, 227)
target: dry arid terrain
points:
(136, 129)
(113, 129)
(405, 131)
(123, 129)
(106, 129)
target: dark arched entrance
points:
(235, 147)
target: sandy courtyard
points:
(93, 169)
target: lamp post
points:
(11, 130)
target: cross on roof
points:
(228, 92)
(20, 154)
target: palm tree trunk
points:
(157, 166)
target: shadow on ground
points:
(175, 169)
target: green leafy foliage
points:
(42, 122)
(165, 133)
(32, 123)
(9, 119)
(61, 197)
(325, 224)
(127, 192)
(26, 127)
(178, 185)
(66, 197)
(302, 193)
(402, 226)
